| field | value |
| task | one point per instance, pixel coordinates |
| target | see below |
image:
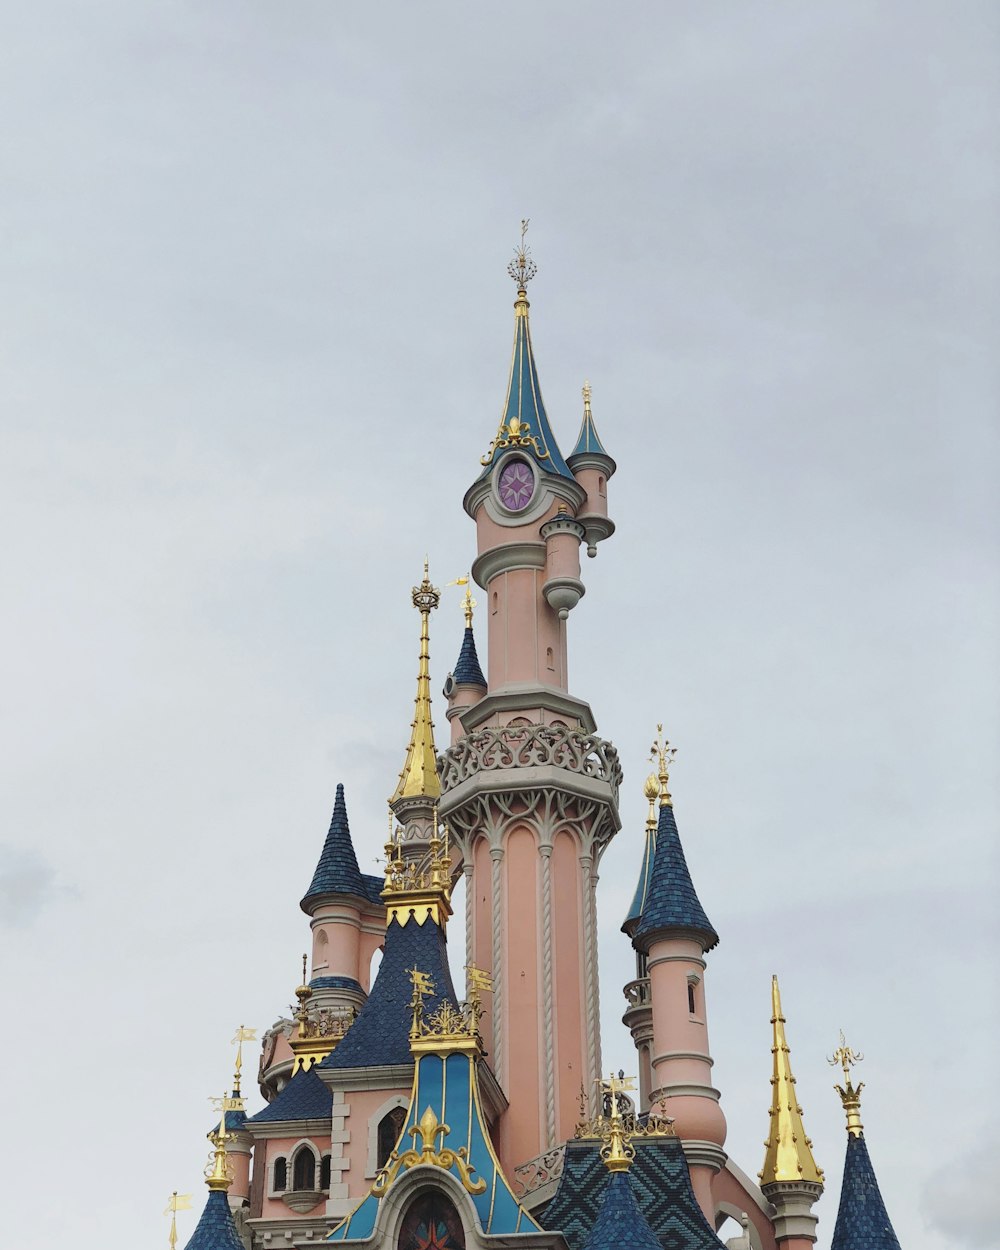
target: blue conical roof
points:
(862, 1220)
(620, 1225)
(524, 404)
(589, 441)
(671, 901)
(337, 871)
(467, 670)
(641, 890)
(215, 1230)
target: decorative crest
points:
(651, 790)
(850, 1094)
(318, 1032)
(663, 753)
(522, 268)
(429, 1129)
(615, 1109)
(176, 1202)
(422, 987)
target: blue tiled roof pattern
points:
(661, 1185)
(635, 911)
(305, 1097)
(234, 1122)
(671, 901)
(381, 1032)
(373, 888)
(467, 671)
(215, 1230)
(337, 871)
(619, 1221)
(335, 983)
(862, 1220)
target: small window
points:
(304, 1170)
(389, 1129)
(691, 1007)
(641, 965)
(280, 1175)
(550, 659)
(496, 600)
(324, 1172)
(600, 485)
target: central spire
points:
(789, 1154)
(524, 425)
(419, 778)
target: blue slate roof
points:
(660, 1183)
(305, 1097)
(862, 1220)
(671, 901)
(467, 671)
(373, 888)
(588, 439)
(524, 401)
(335, 983)
(619, 1221)
(215, 1230)
(381, 1032)
(234, 1122)
(449, 1084)
(635, 911)
(337, 871)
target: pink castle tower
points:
(529, 790)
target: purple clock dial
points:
(516, 485)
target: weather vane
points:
(468, 603)
(522, 268)
(177, 1202)
(662, 753)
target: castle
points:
(402, 1116)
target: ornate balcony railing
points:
(637, 993)
(539, 1171)
(527, 746)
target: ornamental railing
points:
(539, 1171)
(637, 993)
(528, 746)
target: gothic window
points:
(280, 1175)
(431, 1223)
(304, 1169)
(389, 1129)
(324, 1172)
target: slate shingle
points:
(862, 1220)
(337, 871)
(467, 670)
(215, 1230)
(305, 1097)
(671, 901)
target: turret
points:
(465, 684)
(335, 902)
(216, 1230)
(638, 1015)
(789, 1179)
(592, 467)
(862, 1220)
(674, 934)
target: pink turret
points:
(528, 790)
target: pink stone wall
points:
(568, 981)
(727, 1188)
(521, 1128)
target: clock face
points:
(515, 485)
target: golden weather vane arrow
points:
(176, 1202)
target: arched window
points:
(495, 602)
(324, 1172)
(280, 1183)
(431, 1223)
(691, 1004)
(304, 1169)
(550, 659)
(389, 1129)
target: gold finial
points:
(419, 778)
(176, 1202)
(217, 1173)
(468, 603)
(850, 1094)
(663, 753)
(243, 1034)
(651, 789)
(788, 1155)
(422, 986)
(619, 1152)
(303, 993)
(586, 399)
(522, 268)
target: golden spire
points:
(663, 753)
(176, 1202)
(850, 1094)
(217, 1173)
(243, 1034)
(419, 778)
(789, 1154)
(468, 603)
(651, 789)
(586, 401)
(619, 1152)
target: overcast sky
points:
(255, 332)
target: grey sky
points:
(254, 337)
